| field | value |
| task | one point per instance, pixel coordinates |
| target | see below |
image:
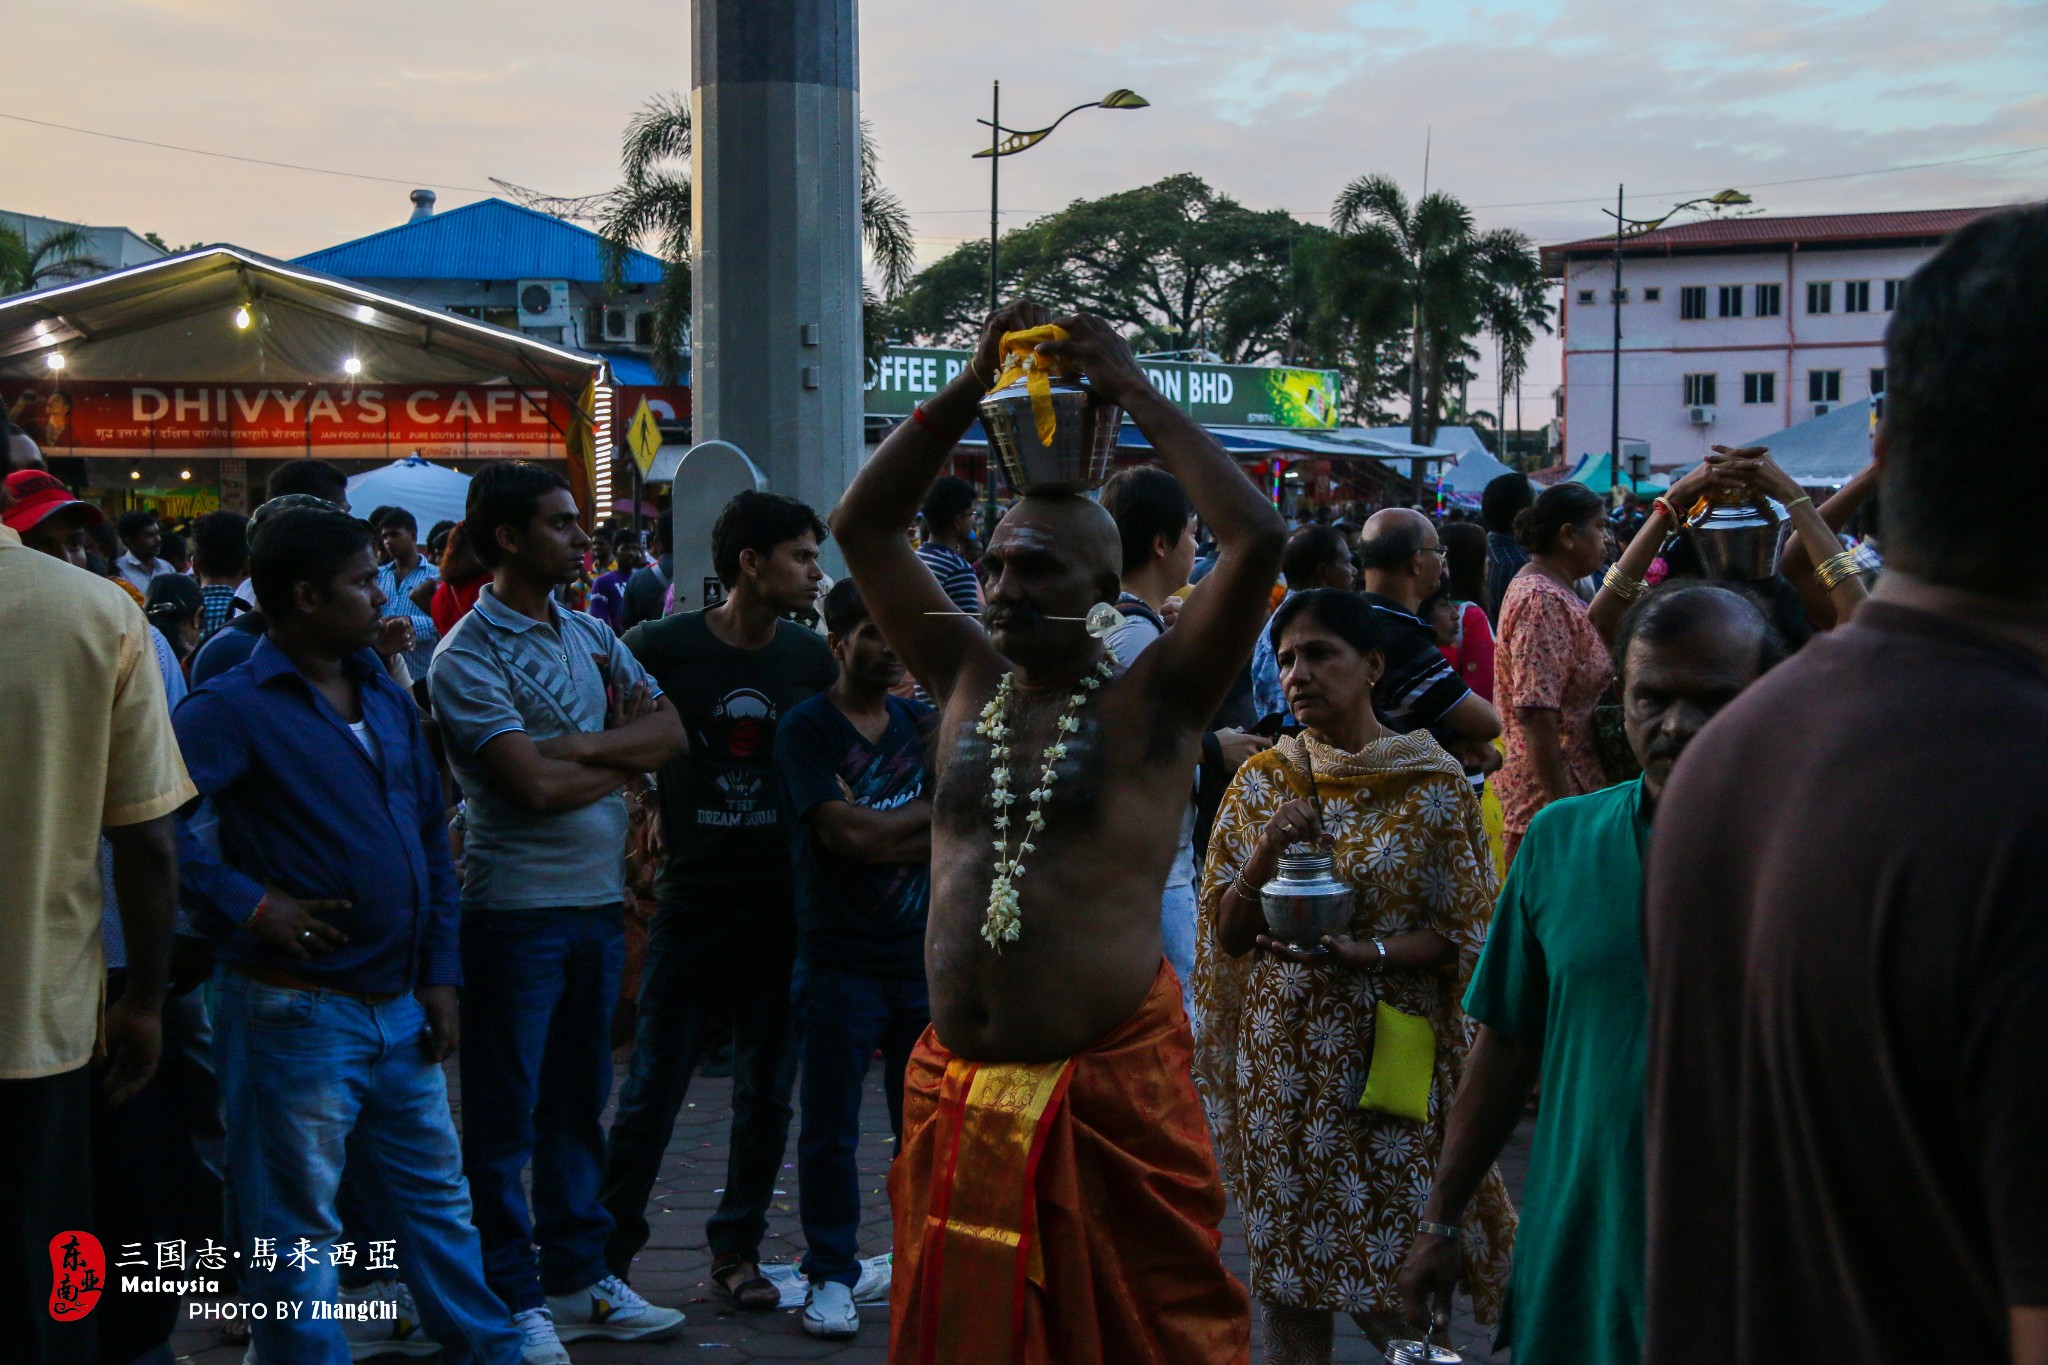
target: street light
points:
(1624, 226)
(1008, 142)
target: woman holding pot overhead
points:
(1328, 1063)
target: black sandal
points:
(756, 1294)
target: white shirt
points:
(138, 576)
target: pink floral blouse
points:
(1548, 657)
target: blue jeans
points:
(299, 1070)
(842, 1017)
(707, 958)
(536, 1072)
(1177, 938)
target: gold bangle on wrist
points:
(1806, 498)
(1622, 586)
(1835, 570)
(1248, 894)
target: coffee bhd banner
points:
(1217, 395)
(440, 421)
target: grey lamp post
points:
(1008, 142)
(1624, 227)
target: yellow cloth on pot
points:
(1021, 360)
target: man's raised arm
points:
(1213, 637)
(882, 501)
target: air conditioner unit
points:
(1823, 409)
(1700, 415)
(543, 303)
(618, 325)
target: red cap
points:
(33, 494)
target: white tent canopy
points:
(431, 492)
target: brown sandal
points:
(754, 1294)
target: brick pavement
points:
(674, 1269)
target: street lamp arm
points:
(1021, 140)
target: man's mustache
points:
(1663, 749)
(1014, 616)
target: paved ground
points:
(674, 1269)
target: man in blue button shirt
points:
(545, 716)
(336, 990)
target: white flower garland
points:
(1003, 922)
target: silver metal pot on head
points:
(1082, 451)
(1737, 540)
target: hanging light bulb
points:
(135, 473)
(242, 318)
(55, 360)
(352, 365)
(184, 473)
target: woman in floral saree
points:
(1284, 1038)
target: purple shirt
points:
(608, 598)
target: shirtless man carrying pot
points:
(1056, 1186)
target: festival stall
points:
(196, 374)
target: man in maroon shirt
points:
(1847, 911)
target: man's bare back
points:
(1089, 946)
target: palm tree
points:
(652, 207)
(1515, 306)
(1445, 267)
(55, 257)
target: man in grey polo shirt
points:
(546, 715)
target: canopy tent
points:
(1597, 473)
(1473, 471)
(431, 492)
(1826, 451)
(223, 352)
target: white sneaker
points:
(398, 1334)
(540, 1345)
(829, 1312)
(611, 1310)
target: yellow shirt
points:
(88, 742)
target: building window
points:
(1820, 297)
(1651, 295)
(1585, 298)
(1893, 289)
(497, 317)
(1731, 300)
(1692, 302)
(1824, 386)
(1699, 390)
(1877, 381)
(1770, 299)
(1760, 387)
(1856, 296)
(643, 328)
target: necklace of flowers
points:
(1003, 922)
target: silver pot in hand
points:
(1307, 900)
(1083, 446)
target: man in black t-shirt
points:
(1419, 690)
(851, 763)
(724, 930)
(1845, 923)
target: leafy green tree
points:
(1450, 272)
(651, 209)
(53, 258)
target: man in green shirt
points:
(1560, 995)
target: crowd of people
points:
(1735, 882)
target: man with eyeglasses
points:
(1419, 689)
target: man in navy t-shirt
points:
(851, 764)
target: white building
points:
(1732, 328)
(103, 249)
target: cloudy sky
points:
(1534, 109)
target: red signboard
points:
(363, 421)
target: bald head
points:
(1402, 555)
(1065, 524)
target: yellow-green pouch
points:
(1403, 1062)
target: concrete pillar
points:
(776, 312)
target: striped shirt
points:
(956, 576)
(398, 598)
(1419, 687)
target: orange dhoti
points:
(1063, 1213)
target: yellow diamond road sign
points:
(643, 438)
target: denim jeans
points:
(1177, 937)
(703, 959)
(299, 1070)
(536, 1072)
(841, 1018)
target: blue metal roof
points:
(487, 240)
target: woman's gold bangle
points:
(1249, 895)
(1622, 586)
(1806, 498)
(1835, 570)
